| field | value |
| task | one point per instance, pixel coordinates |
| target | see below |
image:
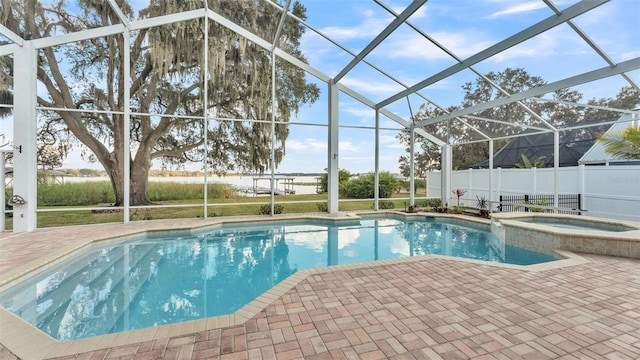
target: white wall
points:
(607, 191)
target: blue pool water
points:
(166, 278)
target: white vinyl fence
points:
(606, 191)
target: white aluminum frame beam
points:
(526, 34)
(590, 76)
(121, 15)
(11, 35)
(78, 36)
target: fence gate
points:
(538, 203)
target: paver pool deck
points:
(427, 307)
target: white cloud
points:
(519, 9)
(371, 86)
(369, 27)
(308, 236)
(347, 237)
(630, 55)
(390, 142)
(386, 226)
(309, 144)
(553, 43)
(400, 245)
(415, 46)
(348, 145)
(365, 113)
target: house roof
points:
(573, 145)
(597, 154)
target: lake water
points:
(243, 182)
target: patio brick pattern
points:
(431, 309)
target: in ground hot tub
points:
(545, 232)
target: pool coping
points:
(20, 336)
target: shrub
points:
(343, 175)
(363, 186)
(433, 202)
(483, 205)
(266, 209)
(386, 204)
(322, 207)
(141, 214)
(417, 183)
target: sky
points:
(464, 27)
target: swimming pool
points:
(179, 276)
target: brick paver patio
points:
(434, 308)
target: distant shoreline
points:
(302, 184)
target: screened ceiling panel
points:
(360, 21)
(370, 82)
(387, 51)
(408, 56)
(324, 54)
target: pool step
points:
(77, 284)
(106, 310)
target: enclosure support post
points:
(445, 173)
(273, 132)
(376, 182)
(24, 138)
(332, 147)
(412, 174)
(205, 120)
(127, 127)
(556, 168)
(491, 175)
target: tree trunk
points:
(139, 181)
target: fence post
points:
(526, 202)
(498, 185)
(579, 204)
(500, 204)
(470, 181)
(581, 182)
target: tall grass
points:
(75, 194)
(100, 192)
